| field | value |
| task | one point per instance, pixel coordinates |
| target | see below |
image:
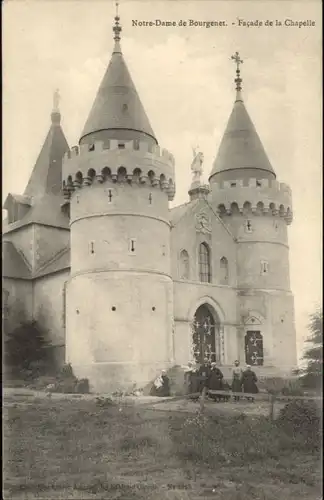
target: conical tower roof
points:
(117, 112)
(46, 176)
(241, 153)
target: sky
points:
(184, 76)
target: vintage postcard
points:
(162, 249)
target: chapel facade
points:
(126, 286)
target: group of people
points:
(210, 377)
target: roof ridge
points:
(53, 259)
(22, 255)
(220, 220)
(191, 205)
(18, 267)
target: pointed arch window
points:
(224, 270)
(204, 263)
(184, 265)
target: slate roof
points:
(46, 176)
(241, 146)
(177, 213)
(60, 262)
(43, 191)
(13, 262)
(19, 198)
(46, 211)
(117, 104)
(15, 265)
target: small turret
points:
(241, 154)
(117, 112)
(242, 179)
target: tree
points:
(311, 375)
(27, 353)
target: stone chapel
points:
(125, 285)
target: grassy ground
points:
(76, 449)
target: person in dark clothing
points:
(227, 388)
(249, 380)
(215, 382)
(203, 375)
(237, 379)
(161, 386)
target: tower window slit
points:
(248, 226)
(264, 267)
(132, 246)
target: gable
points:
(199, 219)
(14, 263)
(17, 207)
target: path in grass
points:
(70, 448)
(258, 408)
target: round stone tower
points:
(119, 306)
(257, 209)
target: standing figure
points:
(161, 386)
(237, 379)
(196, 165)
(191, 379)
(215, 381)
(203, 375)
(249, 380)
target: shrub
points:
(67, 383)
(28, 353)
(284, 386)
(274, 385)
(66, 372)
(292, 387)
(301, 418)
(312, 375)
(82, 386)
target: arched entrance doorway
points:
(205, 335)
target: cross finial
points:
(56, 101)
(238, 60)
(238, 79)
(117, 28)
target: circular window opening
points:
(113, 308)
(153, 308)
